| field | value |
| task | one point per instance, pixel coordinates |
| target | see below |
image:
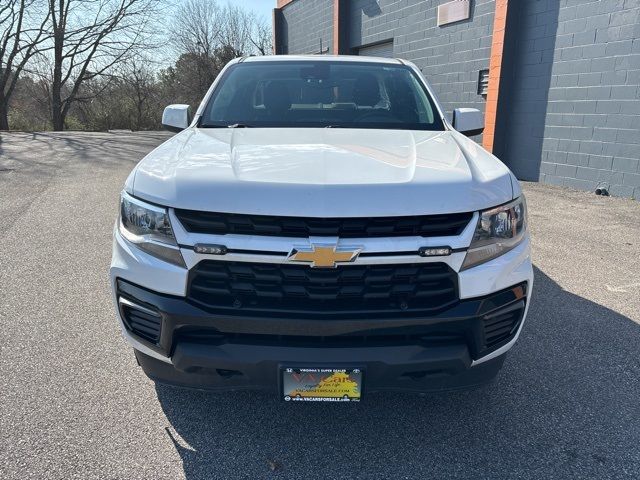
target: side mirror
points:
(176, 118)
(468, 121)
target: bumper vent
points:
(499, 327)
(141, 321)
(280, 289)
(300, 227)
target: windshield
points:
(321, 94)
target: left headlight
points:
(149, 228)
(499, 230)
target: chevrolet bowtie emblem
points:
(324, 256)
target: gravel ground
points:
(75, 405)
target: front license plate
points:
(322, 384)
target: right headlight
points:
(148, 227)
(499, 230)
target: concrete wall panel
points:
(307, 26)
(575, 70)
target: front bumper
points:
(258, 368)
(234, 352)
(202, 349)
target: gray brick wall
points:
(449, 56)
(571, 112)
(306, 25)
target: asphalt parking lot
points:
(75, 405)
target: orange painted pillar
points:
(495, 67)
(340, 31)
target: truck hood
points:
(322, 172)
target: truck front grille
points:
(281, 289)
(300, 227)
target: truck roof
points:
(319, 58)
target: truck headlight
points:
(148, 227)
(499, 230)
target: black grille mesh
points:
(286, 288)
(143, 324)
(501, 326)
(227, 223)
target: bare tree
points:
(244, 32)
(141, 87)
(206, 36)
(261, 37)
(91, 37)
(203, 28)
(196, 35)
(197, 27)
(81, 60)
(21, 36)
(236, 30)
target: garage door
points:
(379, 50)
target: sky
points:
(261, 7)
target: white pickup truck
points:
(319, 229)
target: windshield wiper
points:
(233, 125)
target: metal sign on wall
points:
(455, 11)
